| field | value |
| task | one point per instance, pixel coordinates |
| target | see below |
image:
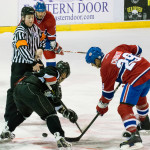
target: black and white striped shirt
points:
(25, 42)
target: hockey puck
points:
(44, 134)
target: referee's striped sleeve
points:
(24, 52)
(23, 47)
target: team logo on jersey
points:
(116, 57)
(90, 54)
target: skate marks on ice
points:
(100, 136)
(41, 144)
(29, 135)
(49, 144)
(96, 144)
(104, 134)
(29, 143)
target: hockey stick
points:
(75, 52)
(64, 106)
(75, 122)
(117, 87)
(75, 139)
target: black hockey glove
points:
(71, 115)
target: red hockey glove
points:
(102, 108)
(58, 49)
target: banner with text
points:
(136, 10)
(76, 11)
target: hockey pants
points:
(29, 98)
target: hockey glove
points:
(56, 48)
(102, 108)
(71, 115)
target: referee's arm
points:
(22, 48)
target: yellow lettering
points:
(139, 9)
(148, 2)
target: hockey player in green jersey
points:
(40, 92)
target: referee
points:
(27, 44)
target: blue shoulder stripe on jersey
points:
(108, 94)
(139, 51)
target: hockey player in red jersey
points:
(47, 23)
(124, 65)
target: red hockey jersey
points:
(47, 25)
(122, 64)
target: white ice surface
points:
(81, 92)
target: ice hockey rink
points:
(81, 92)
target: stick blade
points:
(75, 139)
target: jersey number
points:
(129, 61)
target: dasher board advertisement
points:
(136, 9)
(76, 11)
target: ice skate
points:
(134, 142)
(6, 134)
(62, 144)
(144, 126)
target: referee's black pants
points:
(29, 98)
(11, 112)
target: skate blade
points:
(5, 140)
(145, 132)
(63, 148)
(135, 146)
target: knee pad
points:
(128, 117)
(54, 124)
(142, 103)
(49, 115)
(142, 108)
(125, 111)
(26, 115)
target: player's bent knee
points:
(45, 116)
(26, 114)
(142, 103)
(124, 109)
